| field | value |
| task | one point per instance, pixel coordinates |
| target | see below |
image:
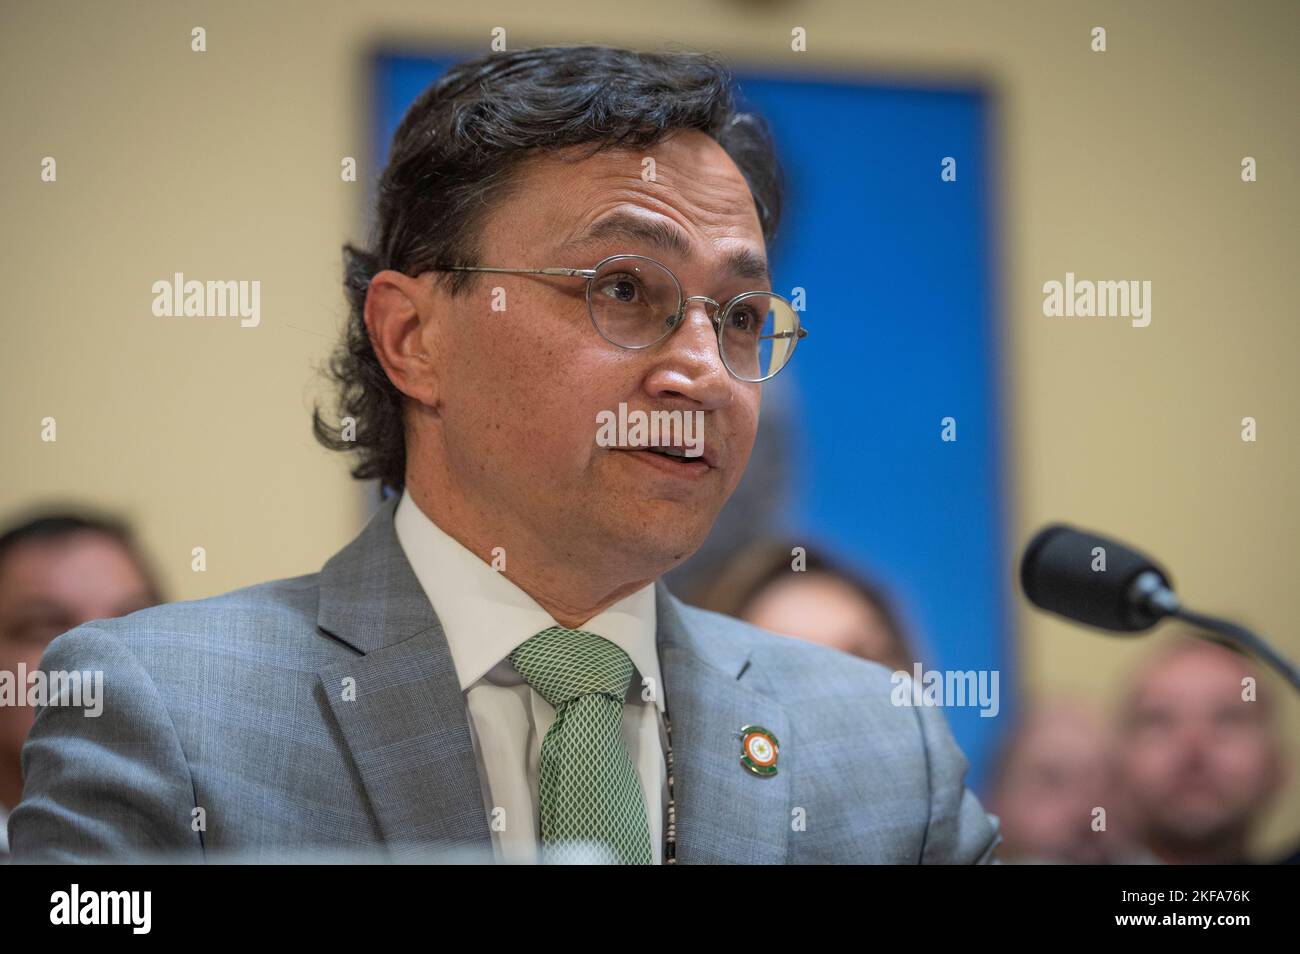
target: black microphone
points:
(1093, 580)
(1101, 582)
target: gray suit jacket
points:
(235, 705)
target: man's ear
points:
(399, 312)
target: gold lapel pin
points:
(758, 750)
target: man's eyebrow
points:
(665, 237)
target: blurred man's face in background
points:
(518, 392)
(1058, 771)
(48, 586)
(1199, 762)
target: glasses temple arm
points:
(569, 272)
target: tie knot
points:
(562, 664)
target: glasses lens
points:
(633, 301)
(759, 335)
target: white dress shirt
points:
(484, 617)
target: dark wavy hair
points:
(451, 162)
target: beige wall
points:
(225, 165)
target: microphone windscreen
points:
(1062, 572)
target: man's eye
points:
(744, 319)
(1154, 722)
(1232, 718)
(39, 633)
(622, 288)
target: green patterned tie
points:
(588, 790)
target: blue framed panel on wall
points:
(898, 266)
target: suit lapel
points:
(404, 720)
(725, 814)
(405, 726)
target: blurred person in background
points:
(825, 602)
(1057, 768)
(1201, 760)
(57, 571)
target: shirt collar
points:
(485, 616)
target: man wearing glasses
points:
(493, 663)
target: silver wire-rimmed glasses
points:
(636, 302)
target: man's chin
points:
(656, 538)
(1196, 825)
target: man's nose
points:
(1192, 741)
(689, 364)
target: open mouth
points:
(671, 459)
(671, 452)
